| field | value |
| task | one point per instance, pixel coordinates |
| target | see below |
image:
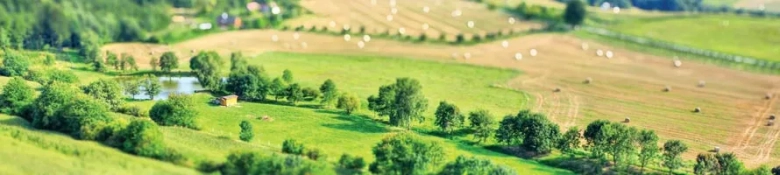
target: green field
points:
(745, 36)
(335, 133)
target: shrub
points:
(476, 38)
(422, 37)
(315, 154)
(246, 131)
(209, 166)
(241, 163)
(131, 110)
(290, 146)
(459, 38)
(16, 96)
(178, 110)
(143, 138)
(349, 162)
(310, 94)
(14, 64)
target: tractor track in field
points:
(765, 148)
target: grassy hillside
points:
(737, 35)
(30, 151)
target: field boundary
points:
(733, 59)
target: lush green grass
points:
(335, 133)
(29, 151)
(746, 36)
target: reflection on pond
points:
(170, 85)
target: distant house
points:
(229, 100)
(225, 21)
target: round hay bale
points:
(770, 123)
(716, 149)
(697, 110)
(426, 9)
(296, 36)
(616, 10)
(702, 83)
(332, 24)
(584, 46)
(677, 63)
(518, 56)
(304, 45)
(588, 80)
(511, 20)
(470, 24)
(425, 26)
(505, 44)
(347, 37)
(627, 120)
(394, 11)
(361, 44)
(392, 3)
(609, 54)
(402, 31)
(600, 52)
(366, 38)
(557, 90)
(389, 17)
(454, 55)
(771, 116)
(274, 38)
(457, 13)
(467, 55)
(533, 52)
(667, 88)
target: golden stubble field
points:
(734, 112)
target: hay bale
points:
(389, 17)
(533, 52)
(771, 116)
(467, 55)
(667, 88)
(609, 54)
(425, 26)
(274, 38)
(518, 56)
(677, 63)
(426, 9)
(512, 20)
(697, 110)
(505, 44)
(296, 36)
(627, 120)
(347, 37)
(470, 24)
(768, 96)
(361, 44)
(770, 123)
(588, 80)
(557, 90)
(702, 83)
(716, 149)
(584, 46)
(304, 45)
(600, 52)
(454, 55)
(366, 38)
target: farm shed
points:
(229, 100)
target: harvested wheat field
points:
(734, 111)
(432, 17)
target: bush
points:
(476, 38)
(459, 38)
(315, 154)
(422, 37)
(310, 94)
(14, 64)
(209, 166)
(17, 95)
(178, 110)
(349, 162)
(290, 146)
(241, 163)
(143, 138)
(131, 110)
(246, 131)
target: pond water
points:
(172, 85)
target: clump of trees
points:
(401, 101)
(16, 96)
(206, 66)
(474, 165)
(14, 64)
(531, 131)
(240, 163)
(403, 153)
(106, 91)
(177, 110)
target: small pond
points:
(171, 85)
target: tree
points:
(294, 93)
(728, 164)
(237, 61)
(168, 62)
(16, 97)
(705, 164)
(14, 64)
(81, 117)
(570, 141)
(762, 170)
(472, 165)
(207, 66)
(178, 110)
(246, 131)
(329, 93)
(143, 138)
(130, 61)
(575, 12)
(482, 123)
(405, 154)
(154, 63)
(244, 163)
(648, 144)
(290, 146)
(152, 86)
(539, 134)
(672, 151)
(597, 135)
(448, 117)
(310, 94)
(90, 47)
(287, 76)
(106, 91)
(99, 66)
(5, 39)
(348, 103)
(249, 83)
(622, 144)
(401, 101)
(508, 130)
(133, 87)
(112, 60)
(53, 97)
(278, 88)
(122, 62)
(776, 170)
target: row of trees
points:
(126, 62)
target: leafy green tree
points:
(16, 97)
(597, 135)
(762, 170)
(351, 162)
(81, 117)
(152, 86)
(132, 87)
(310, 94)
(154, 63)
(575, 12)
(254, 163)
(14, 64)
(448, 117)
(246, 131)
(90, 47)
(622, 143)
(508, 130)
(290, 146)
(178, 110)
(539, 134)
(672, 151)
(287, 76)
(648, 145)
(278, 88)
(405, 154)
(5, 39)
(472, 165)
(348, 102)
(728, 164)
(64, 76)
(329, 93)
(294, 93)
(482, 123)
(130, 61)
(106, 91)
(53, 97)
(99, 66)
(168, 62)
(123, 62)
(249, 83)
(402, 101)
(207, 66)
(237, 61)
(112, 59)
(776, 170)
(142, 137)
(570, 141)
(705, 164)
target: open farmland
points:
(628, 85)
(377, 17)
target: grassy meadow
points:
(737, 35)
